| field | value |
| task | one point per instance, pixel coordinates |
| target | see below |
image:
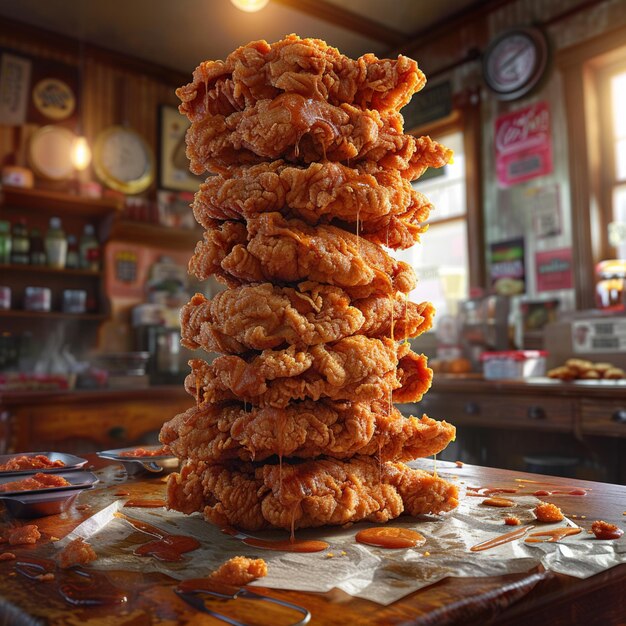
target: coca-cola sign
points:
(523, 144)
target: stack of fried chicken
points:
(294, 425)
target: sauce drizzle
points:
(280, 545)
(390, 537)
(554, 535)
(501, 539)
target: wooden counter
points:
(86, 420)
(515, 600)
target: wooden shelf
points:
(43, 269)
(54, 315)
(154, 235)
(54, 202)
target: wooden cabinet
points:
(87, 421)
(603, 417)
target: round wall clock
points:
(123, 160)
(514, 63)
(50, 152)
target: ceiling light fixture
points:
(250, 6)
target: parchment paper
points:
(380, 575)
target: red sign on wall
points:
(554, 269)
(523, 144)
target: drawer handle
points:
(471, 408)
(619, 416)
(536, 413)
(117, 432)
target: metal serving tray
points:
(137, 464)
(50, 501)
(71, 463)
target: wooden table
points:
(543, 597)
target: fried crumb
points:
(44, 578)
(239, 571)
(343, 553)
(54, 539)
(573, 516)
(548, 513)
(7, 556)
(329, 555)
(459, 463)
(512, 520)
(426, 553)
(82, 507)
(604, 530)
(24, 535)
(77, 552)
(583, 517)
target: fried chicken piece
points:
(308, 67)
(24, 535)
(39, 461)
(548, 512)
(307, 429)
(289, 251)
(301, 130)
(37, 481)
(76, 552)
(239, 571)
(314, 493)
(265, 316)
(379, 202)
(355, 368)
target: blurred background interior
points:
(524, 258)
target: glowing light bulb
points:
(81, 153)
(250, 6)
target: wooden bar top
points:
(516, 599)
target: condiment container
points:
(56, 244)
(513, 364)
(74, 300)
(37, 299)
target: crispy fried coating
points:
(35, 482)
(313, 493)
(379, 202)
(306, 429)
(302, 130)
(289, 251)
(77, 552)
(308, 67)
(265, 316)
(355, 368)
(239, 571)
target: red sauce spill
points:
(146, 504)
(554, 535)
(282, 545)
(167, 547)
(390, 537)
(77, 586)
(122, 493)
(501, 502)
(498, 541)
(566, 491)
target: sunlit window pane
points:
(620, 159)
(619, 204)
(618, 89)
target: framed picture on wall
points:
(174, 171)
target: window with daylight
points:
(440, 259)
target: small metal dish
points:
(42, 502)
(71, 463)
(138, 464)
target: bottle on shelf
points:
(56, 244)
(20, 247)
(37, 249)
(5, 242)
(89, 249)
(72, 262)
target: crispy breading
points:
(289, 251)
(379, 202)
(355, 368)
(239, 571)
(300, 130)
(306, 429)
(308, 67)
(313, 493)
(76, 552)
(265, 316)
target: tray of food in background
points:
(44, 462)
(40, 494)
(154, 459)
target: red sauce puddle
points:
(501, 539)
(557, 491)
(167, 547)
(500, 502)
(77, 586)
(146, 504)
(282, 545)
(390, 537)
(554, 535)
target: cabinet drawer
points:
(604, 417)
(519, 411)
